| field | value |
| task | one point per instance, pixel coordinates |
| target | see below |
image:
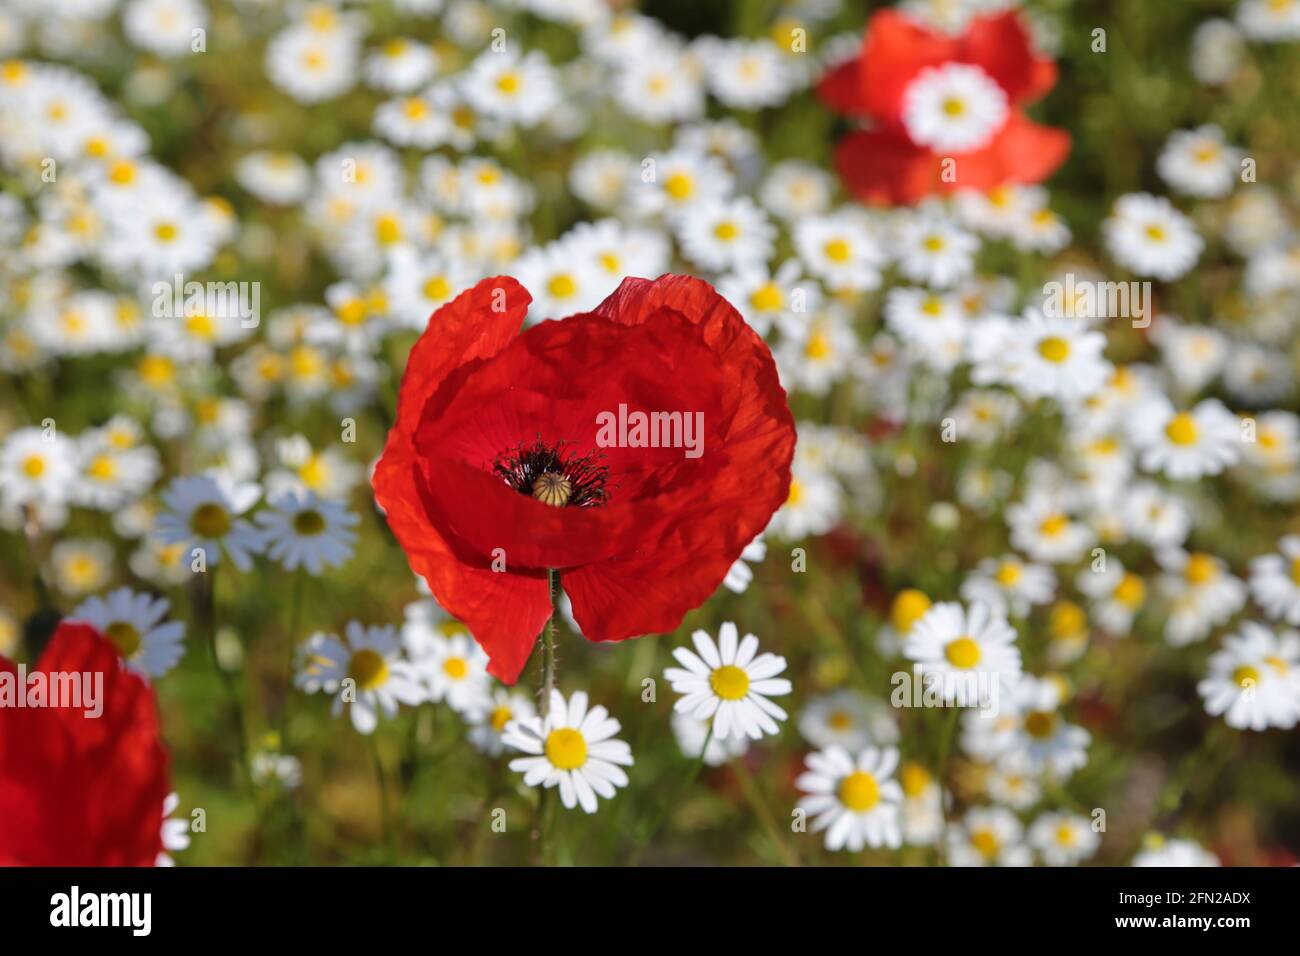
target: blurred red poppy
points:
(493, 472)
(78, 789)
(902, 158)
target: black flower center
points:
(553, 474)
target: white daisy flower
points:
(366, 672)
(1009, 585)
(301, 530)
(36, 467)
(1275, 581)
(853, 798)
(795, 190)
(1148, 236)
(729, 682)
(845, 718)
(812, 506)
(1254, 681)
(954, 108)
(725, 234)
(988, 836)
(1063, 839)
(747, 74)
(202, 512)
(841, 250)
(952, 642)
(81, 565)
(739, 574)
(1117, 595)
(512, 88)
(1056, 357)
(1201, 594)
(400, 65)
(934, 250)
(1158, 851)
(572, 748)
(1042, 528)
(454, 668)
(1186, 444)
(764, 299)
(175, 833)
(134, 623)
(488, 722)
(1199, 162)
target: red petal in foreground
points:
(662, 528)
(77, 790)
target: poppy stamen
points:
(554, 476)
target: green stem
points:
(750, 788)
(381, 780)
(544, 813)
(206, 611)
(295, 622)
(941, 773)
(696, 767)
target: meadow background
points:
(1157, 761)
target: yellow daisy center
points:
(767, 298)
(368, 668)
(124, 637)
(1181, 429)
(1201, 569)
(859, 791)
(837, 250)
(566, 749)
(1040, 724)
(210, 520)
(909, 607)
(963, 653)
(34, 466)
(679, 186)
(729, 682)
(985, 843)
(1245, 676)
(500, 717)
(1054, 349)
(455, 667)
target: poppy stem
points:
(544, 707)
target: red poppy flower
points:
(496, 470)
(75, 789)
(905, 74)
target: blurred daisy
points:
(729, 682)
(950, 640)
(747, 74)
(934, 251)
(134, 623)
(202, 513)
(953, 108)
(1149, 237)
(725, 234)
(739, 576)
(1254, 681)
(301, 530)
(510, 87)
(988, 836)
(36, 466)
(1063, 839)
(365, 671)
(81, 566)
(572, 748)
(922, 815)
(812, 507)
(853, 798)
(1199, 162)
(400, 65)
(175, 833)
(1056, 357)
(1158, 851)
(844, 718)
(840, 250)
(1201, 593)
(1009, 585)
(1275, 581)
(1117, 595)
(454, 668)
(489, 721)
(1186, 444)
